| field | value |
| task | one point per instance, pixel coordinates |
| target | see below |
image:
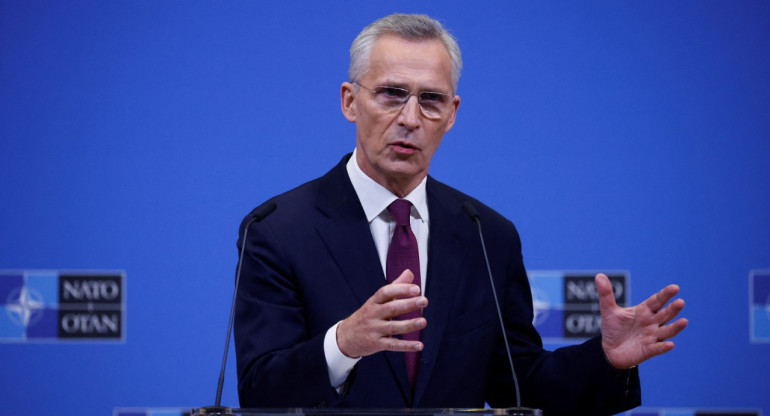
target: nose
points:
(410, 113)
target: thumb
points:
(605, 292)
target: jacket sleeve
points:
(279, 362)
(571, 380)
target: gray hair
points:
(407, 26)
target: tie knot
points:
(399, 210)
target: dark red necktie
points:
(403, 254)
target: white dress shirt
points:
(375, 200)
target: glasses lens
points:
(390, 96)
(433, 104)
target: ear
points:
(347, 101)
(451, 120)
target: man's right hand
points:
(369, 329)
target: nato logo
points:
(759, 305)
(566, 304)
(45, 306)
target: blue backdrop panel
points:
(134, 135)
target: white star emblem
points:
(540, 305)
(24, 306)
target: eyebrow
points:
(391, 83)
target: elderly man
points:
(368, 287)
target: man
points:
(318, 323)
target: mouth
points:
(404, 148)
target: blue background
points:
(135, 135)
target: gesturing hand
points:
(368, 330)
(634, 334)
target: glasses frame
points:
(450, 97)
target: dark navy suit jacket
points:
(313, 262)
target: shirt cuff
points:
(338, 364)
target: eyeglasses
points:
(433, 105)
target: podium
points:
(222, 411)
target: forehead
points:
(423, 64)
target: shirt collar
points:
(375, 198)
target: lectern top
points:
(510, 411)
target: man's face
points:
(395, 146)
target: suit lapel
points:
(347, 236)
(446, 254)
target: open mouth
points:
(403, 148)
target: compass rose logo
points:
(24, 306)
(541, 306)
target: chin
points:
(406, 172)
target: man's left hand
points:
(634, 334)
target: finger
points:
(658, 300)
(605, 292)
(398, 307)
(399, 288)
(398, 327)
(669, 312)
(395, 344)
(659, 348)
(671, 330)
(395, 291)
